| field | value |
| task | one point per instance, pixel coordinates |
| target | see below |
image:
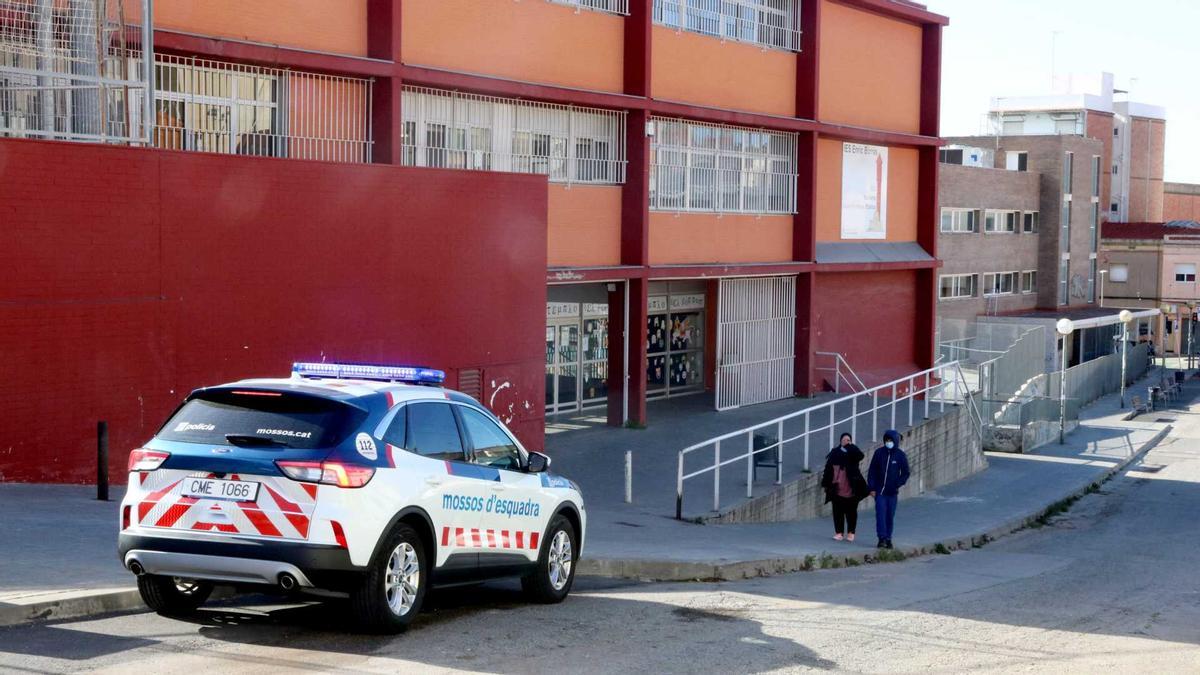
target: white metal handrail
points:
(941, 384)
(840, 362)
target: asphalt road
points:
(1111, 585)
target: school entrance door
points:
(756, 340)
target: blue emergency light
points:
(365, 371)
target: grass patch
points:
(853, 562)
(630, 424)
(828, 562)
(887, 555)
(810, 561)
(941, 549)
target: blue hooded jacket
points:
(889, 468)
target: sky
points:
(1004, 47)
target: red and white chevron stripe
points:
(284, 507)
(470, 537)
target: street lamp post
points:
(1102, 273)
(1065, 327)
(1125, 316)
(1191, 331)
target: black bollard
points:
(102, 461)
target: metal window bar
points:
(608, 6)
(943, 384)
(769, 23)
(697, 167)
(569, 144)
(233, 108)
(68, 70)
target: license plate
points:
(215, 488)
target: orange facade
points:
(870, 70)
(696, 238)
(533, 41)
(1180, 206)
(901, 192)
(584, 226)
(320, 25)
(701, 69)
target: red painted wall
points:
(129, 277)
(870, 318)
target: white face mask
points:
(889, 445)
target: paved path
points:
(1110, 586)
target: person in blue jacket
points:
(887, 474)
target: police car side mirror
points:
(538, 463)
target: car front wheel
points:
(391, 593)
(555, 572)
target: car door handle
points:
(499, 487)
(434, 481)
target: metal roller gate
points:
(756, 340)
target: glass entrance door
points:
(576, 357)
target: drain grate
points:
(1165, 419)
(621, 522)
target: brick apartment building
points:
(1181, 201)
(679, 196)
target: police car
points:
(368, 480)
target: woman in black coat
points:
(844, 486)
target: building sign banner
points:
(687, 301)
(864, 191)
(656, 304)
(559, 310)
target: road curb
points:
(668, 570)
(68, 605)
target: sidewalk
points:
(65, 564)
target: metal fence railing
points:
(770, 23)
(841, 371)
(69, 70)
(608, 6)
(886, 404)
(216, 106)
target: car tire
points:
(551, 581)
(172, 596)
(392, 591)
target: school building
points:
(683, 197)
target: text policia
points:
(508, 507)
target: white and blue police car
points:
(368, 480)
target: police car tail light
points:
(365, 371)
(340, 474)
(146, 460)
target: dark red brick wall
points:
(129, 277)
(870, 318)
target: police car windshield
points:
(278, 419)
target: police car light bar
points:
(361, 371)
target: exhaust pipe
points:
(287, 582)
(136, 568)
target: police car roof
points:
(349, 389)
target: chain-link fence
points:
(69, 70)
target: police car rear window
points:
(262, 419)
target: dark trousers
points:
(885, 515)
(845, 514)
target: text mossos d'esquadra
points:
(502, 507)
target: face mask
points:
(889, 445)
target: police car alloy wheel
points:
(393, 589)
(551, 582)
(172, 595)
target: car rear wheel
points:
(393, 589)
(551, 581)
(173, 595)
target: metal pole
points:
(1191, 331)
(749, 465)
(927, 394)
(148, 65)
(102, 461)
(893, 408)
(1062, 395)
(679, 489)
(853, 417)
(779, 455)
(806, 440)
(717, 477)
(1124, 346)
(628, 476)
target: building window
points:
(1118, 273)
(1094, 226)
(1017, 161)
(771, 23)
(1095, 175)
(954, 286)
(1091, 292)
(1068, 172)
(609, 6)
(1000, 283)
(1029, 282)
(1064, 281)
(1185, 273)
(960, 220)
(711, 168)
(1030, 222)
(568, 144)
(1064, 235)
(1001, 221)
